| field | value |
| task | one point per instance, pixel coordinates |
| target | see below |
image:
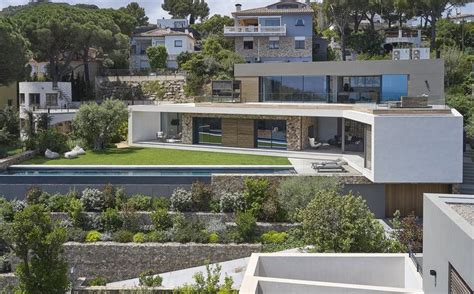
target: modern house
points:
(175, 41)
(446, 265)
(44, 97)
(281, 32)
(387, 119)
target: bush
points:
(123, 236)
(147, 279)
(161, 219)
(213, 238)
(98, 281)
(93, 200)
(161, 202)
(295, 193)
(274, 237)
(188, 231)
(130, 218)
(157, 55)
(111, 220)
(342, 223)
(139, 238)
(140, 202)
(201, 195)
(75, 212)
(51, 139)
(181, 200)
(156, 236)
(231, 202)
(33, 195)
(109, 196)
(120, 198)
(246, 226)
(58, 203)
(93, 236)
(76, 235)
(408, 232)
(6, 210)
(260, 199)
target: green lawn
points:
(157, 156)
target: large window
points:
(271, 134)
(52, 99)
(294, 89)
(34, 99)
(207, 131)
(393, 87)
(271, 22)
(171, 126)
(359, 89)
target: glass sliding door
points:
(294, 89)
(207, 131)
(171, 125)
(271, 134)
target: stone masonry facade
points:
(286, 49)
(296, 127)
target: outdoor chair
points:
(314, 145)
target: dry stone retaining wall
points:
(15, 159)
(117, 261)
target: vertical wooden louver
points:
(456, 283)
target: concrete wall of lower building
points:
(143, 126)
(417, 149)
(8, 95)
(447, 239)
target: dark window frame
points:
(298, 44)
(299, 22)
(246, 45)
(176, 43)
(274, 42)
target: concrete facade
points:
(448, 240)
(331, 273)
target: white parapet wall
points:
(331, 273)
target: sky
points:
(154, 11)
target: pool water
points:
(142, 172)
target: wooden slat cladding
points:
(238, 133)
(249, 89)
(408, 198)
(457, 285)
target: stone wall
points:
(7, 282)
(16, 159)
(286, 50)
(169, 90)
(116, 261)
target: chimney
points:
(238, 7)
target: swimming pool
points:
(142, 171)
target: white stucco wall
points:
(143, 126)
(447, 238)
(188, 44)
(44, 88)
(418, 149)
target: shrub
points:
(76, 235)
(157, 55)
(51, 139)
(156, 236)
(58, 203)
(231, 202)
(120, 198)
(140, 202)
(342, 223)
(274, 237)
(130, 218)
(216, 226)
(213, 238)
(161, 219)
(93, 200)
(148, 279)
(33, 195)
(18, 205)
(201, 194)
(6, 210)
(246, 226)
(111, 220)
(188, 231)
(160, 202)
(295, 193)
(139, 238)
(98, 281)
(93, 236)
(123, 236)
(260, 200)
(408, 232)
(75, 210)
(181, 200)
(109, 196)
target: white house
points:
(175, 41)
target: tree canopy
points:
(189, 9)
(137, 12)
(13, 52)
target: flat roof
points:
(459, 208)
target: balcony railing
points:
(255, 31)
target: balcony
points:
(248, 31)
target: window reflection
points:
(294, 89)
(271, 134)
(393, 87)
